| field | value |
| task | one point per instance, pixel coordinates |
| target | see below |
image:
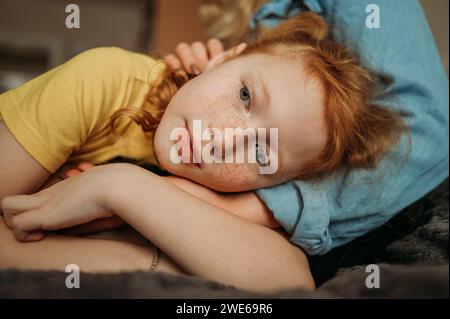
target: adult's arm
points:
(243, 204)
(56, 252)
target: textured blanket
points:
(428, 244)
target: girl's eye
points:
(244, 95)
(261, 156)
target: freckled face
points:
(252, 91)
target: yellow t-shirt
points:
(63, 115)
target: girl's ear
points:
(225, 56)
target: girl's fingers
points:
(200, 54)
(25, 236)
(77, 170)
(186, 56)
(26, 223)
(25, 227)
(16, 204)
(172, 61)
(215, 47)
(35, 236)
(85, 166)
(72, 172)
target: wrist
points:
(120, 185)
(109, 182)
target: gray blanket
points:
(415, 266)
(428, 244)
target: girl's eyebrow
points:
(262, 87)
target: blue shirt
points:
(321, 216)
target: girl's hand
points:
(65, 171)
(195, 57)
(96, 226)
(74, 201)
(74, 170)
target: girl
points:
(319, 155)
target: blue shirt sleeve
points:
(323, 215)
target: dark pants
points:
(366, 249)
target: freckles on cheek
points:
(225, 113)
(236, 174)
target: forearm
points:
(55, 252)
(200, 237)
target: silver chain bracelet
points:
(156, 257)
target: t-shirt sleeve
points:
(52, 115)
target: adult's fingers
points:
(215, 47)
(236, 49)
(186, 56)
(230, 53)
(172, 61)
(200, 54)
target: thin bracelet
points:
(155, 260)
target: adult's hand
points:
(194, 58)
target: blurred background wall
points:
(33, 36)
(188, 27)
(437, 15)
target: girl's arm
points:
(201, 238)
(19, 172)
(244, 204)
